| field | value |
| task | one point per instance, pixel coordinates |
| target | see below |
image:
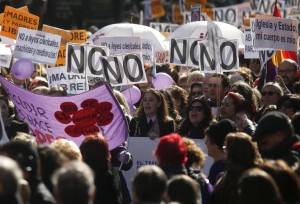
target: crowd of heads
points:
(250, 128)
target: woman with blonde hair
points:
(68, 148)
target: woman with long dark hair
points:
(199, 117)
(152, 117)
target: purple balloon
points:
(161, 81)
(22, 69)
(132, 95)
(132, 108)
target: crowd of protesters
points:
(249, 122)
(251, 132)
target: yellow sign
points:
(78, 36)
(61, 57)
(209, 12)
(14, 18)
(177, 15)
(188, 4)
(157, 9)
(65, 34)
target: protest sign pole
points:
(47, 67)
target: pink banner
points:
(70, 117)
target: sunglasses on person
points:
(197, 108)
(286, 106)
(269, 93)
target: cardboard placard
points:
(72, 83)
(274, 33)
(14, 18)
(24, 8)
(39, 46)
(157, 9)
(65, 34)
(78, 36)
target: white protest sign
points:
(120, 45)
(5, 55)
(265, 55)
(6, 40)
(187, 52)
(162, 27)
(249, 52)
(214, 32)
(195, 12)
(72, 83)
(227, 14)
(142, 149)
(40, 47)
(275, 33)
(267, 7)
(188, 17)
(193, 53)
(229, 60)
(178, 51)
(147, 50)
(297, 17)
(124, 69)
(117, 69)
(85, 59)
(244, 10)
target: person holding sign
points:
(152, 119)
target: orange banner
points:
(78, 36)
(14, 18)
(65, 34)
(177, 15)
(24, 8)
(157, 9)
(209, 12)
(61, 57)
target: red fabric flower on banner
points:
(85, 120)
